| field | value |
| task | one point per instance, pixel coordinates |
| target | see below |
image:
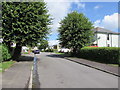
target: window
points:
(107, 36)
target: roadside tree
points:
(75, 31)
(43, 45)
(24, 23)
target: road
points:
(56, 72)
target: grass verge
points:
(116, 65)
(59, 53)
(6, 65)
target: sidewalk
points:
(103, 67)
(18, 75)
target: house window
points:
(107, 36)
(94, 44)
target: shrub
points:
(55, 50)
(106, 55)
(49, 50)
(4, 53)
(1, 53)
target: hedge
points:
(4, 54)
(108, 55)
(48, 50)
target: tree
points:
(43, 44)
(24, 23)
(75, 31)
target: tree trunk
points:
(10, 49)
(74, 52)
(17, 52)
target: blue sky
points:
(97, 10)
(101, 14)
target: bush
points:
(4, 53)
(55, 50)
(108, 55)
(49, 50)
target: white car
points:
(63, 50)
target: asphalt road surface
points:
(56, 72)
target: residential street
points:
(56, 72)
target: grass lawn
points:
(25, 53)
(6, 65)
(114, 65)
(59, 53)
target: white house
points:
(25, 49)
(106, 38)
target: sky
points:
(101, 14)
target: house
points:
(25, 49)
(106, 38)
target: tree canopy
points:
(75, 31)
(24, 23)
(43, 44)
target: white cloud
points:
(109, 22)
(97, 7)
(80, 5)
(53, 42)
(97, 23)
(59, 9)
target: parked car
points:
(36, 51)
(64, 50)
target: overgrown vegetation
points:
(4, 53)
(108, 55)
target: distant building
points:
(106, 38)
(25, 49)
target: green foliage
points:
(1, 59)
(25, 23)
(5, 65)
(49, 50)
(4, 53)
(25, 53)
(43, 44)
(109, 55)
(75, 31)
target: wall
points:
(114, 40)
(103, 42)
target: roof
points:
(103, 30)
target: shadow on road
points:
(25, 58)
(56, 56)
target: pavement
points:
(57, 72)
(100, 66)
(18, 75)
(103, 67)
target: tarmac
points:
(114, 70)
(19, 74)
(103, 67)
